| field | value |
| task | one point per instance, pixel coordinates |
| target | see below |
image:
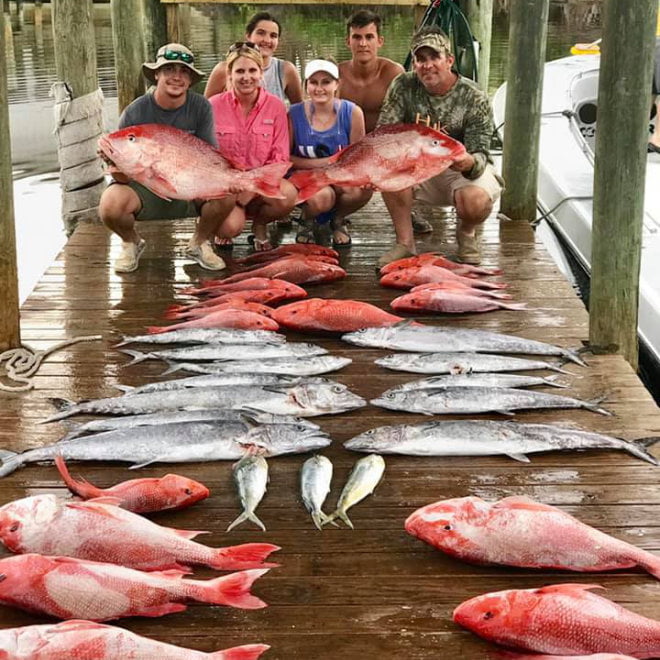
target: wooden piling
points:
(9, 318)
(620, 164)
(79, 107)
(520, 160)
(479, 14)
(155, 27)
(129, 48)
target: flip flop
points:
(341, 230)
(223, 247)
(652, 148)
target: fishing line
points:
(23, 362)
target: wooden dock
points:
(374, 592)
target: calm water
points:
(309, 32)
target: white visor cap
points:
(314, 66)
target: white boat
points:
(565, 180)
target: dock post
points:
(620, 165)
(10, 336)
(78, 111)
(173, 29)
(155, 27)
(520, 160)
(129, 47)
(479, 14)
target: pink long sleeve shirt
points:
(260, 138)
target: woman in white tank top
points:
(280, 76)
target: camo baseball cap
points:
(434, 40)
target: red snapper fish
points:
(449, 302)
(174, 164)
(241, 319)
(434, 259)
(410, 277)
(306, 249)
(543, 656)
(517, 531)
(101, 531)
(391, 158)
(455, 287)
(231, 301)
(68, 588)
(213, 287)
(85, 640)
(294, 269)
(140, 495)
(562, 619)
(330, 315)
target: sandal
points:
(339, 229)
(305, 233)
(223, 245)
(260, 244)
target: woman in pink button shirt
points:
(252, 130)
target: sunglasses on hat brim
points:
(173, 55)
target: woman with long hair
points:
(252, 131)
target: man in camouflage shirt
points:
(458, 107)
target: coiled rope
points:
(23, 362)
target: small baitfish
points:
(206, 336)
(251, 477)
(460, 363)
(315, 478)
(416, 337)
(362, 481)
(227, 352)
(490, 438)
(477, 380)
(312, 366)
(468, 400)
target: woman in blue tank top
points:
(319, 128)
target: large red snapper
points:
(562, 619)
(85, 640)
(146, 495)
(101, 531)
(407, 278)
(391, 158)
(330, 315)
(296, 269)
(225, 318)
(518, 531)
(435, 259)
(174, 164)
(69, 588)
(449, 301)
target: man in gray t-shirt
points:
(170, 102)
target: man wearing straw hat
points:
(436, 94)
(169, 102)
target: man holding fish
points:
(172, 103)
(440, 96)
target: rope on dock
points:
(23, 362)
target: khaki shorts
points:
(439, 190)
(157, 208)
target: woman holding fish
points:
(252, 131)
(319, 128)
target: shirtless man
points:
(364, 79)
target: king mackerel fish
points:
(406, 336)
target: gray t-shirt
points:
(195, 116)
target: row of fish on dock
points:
(247, 409)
